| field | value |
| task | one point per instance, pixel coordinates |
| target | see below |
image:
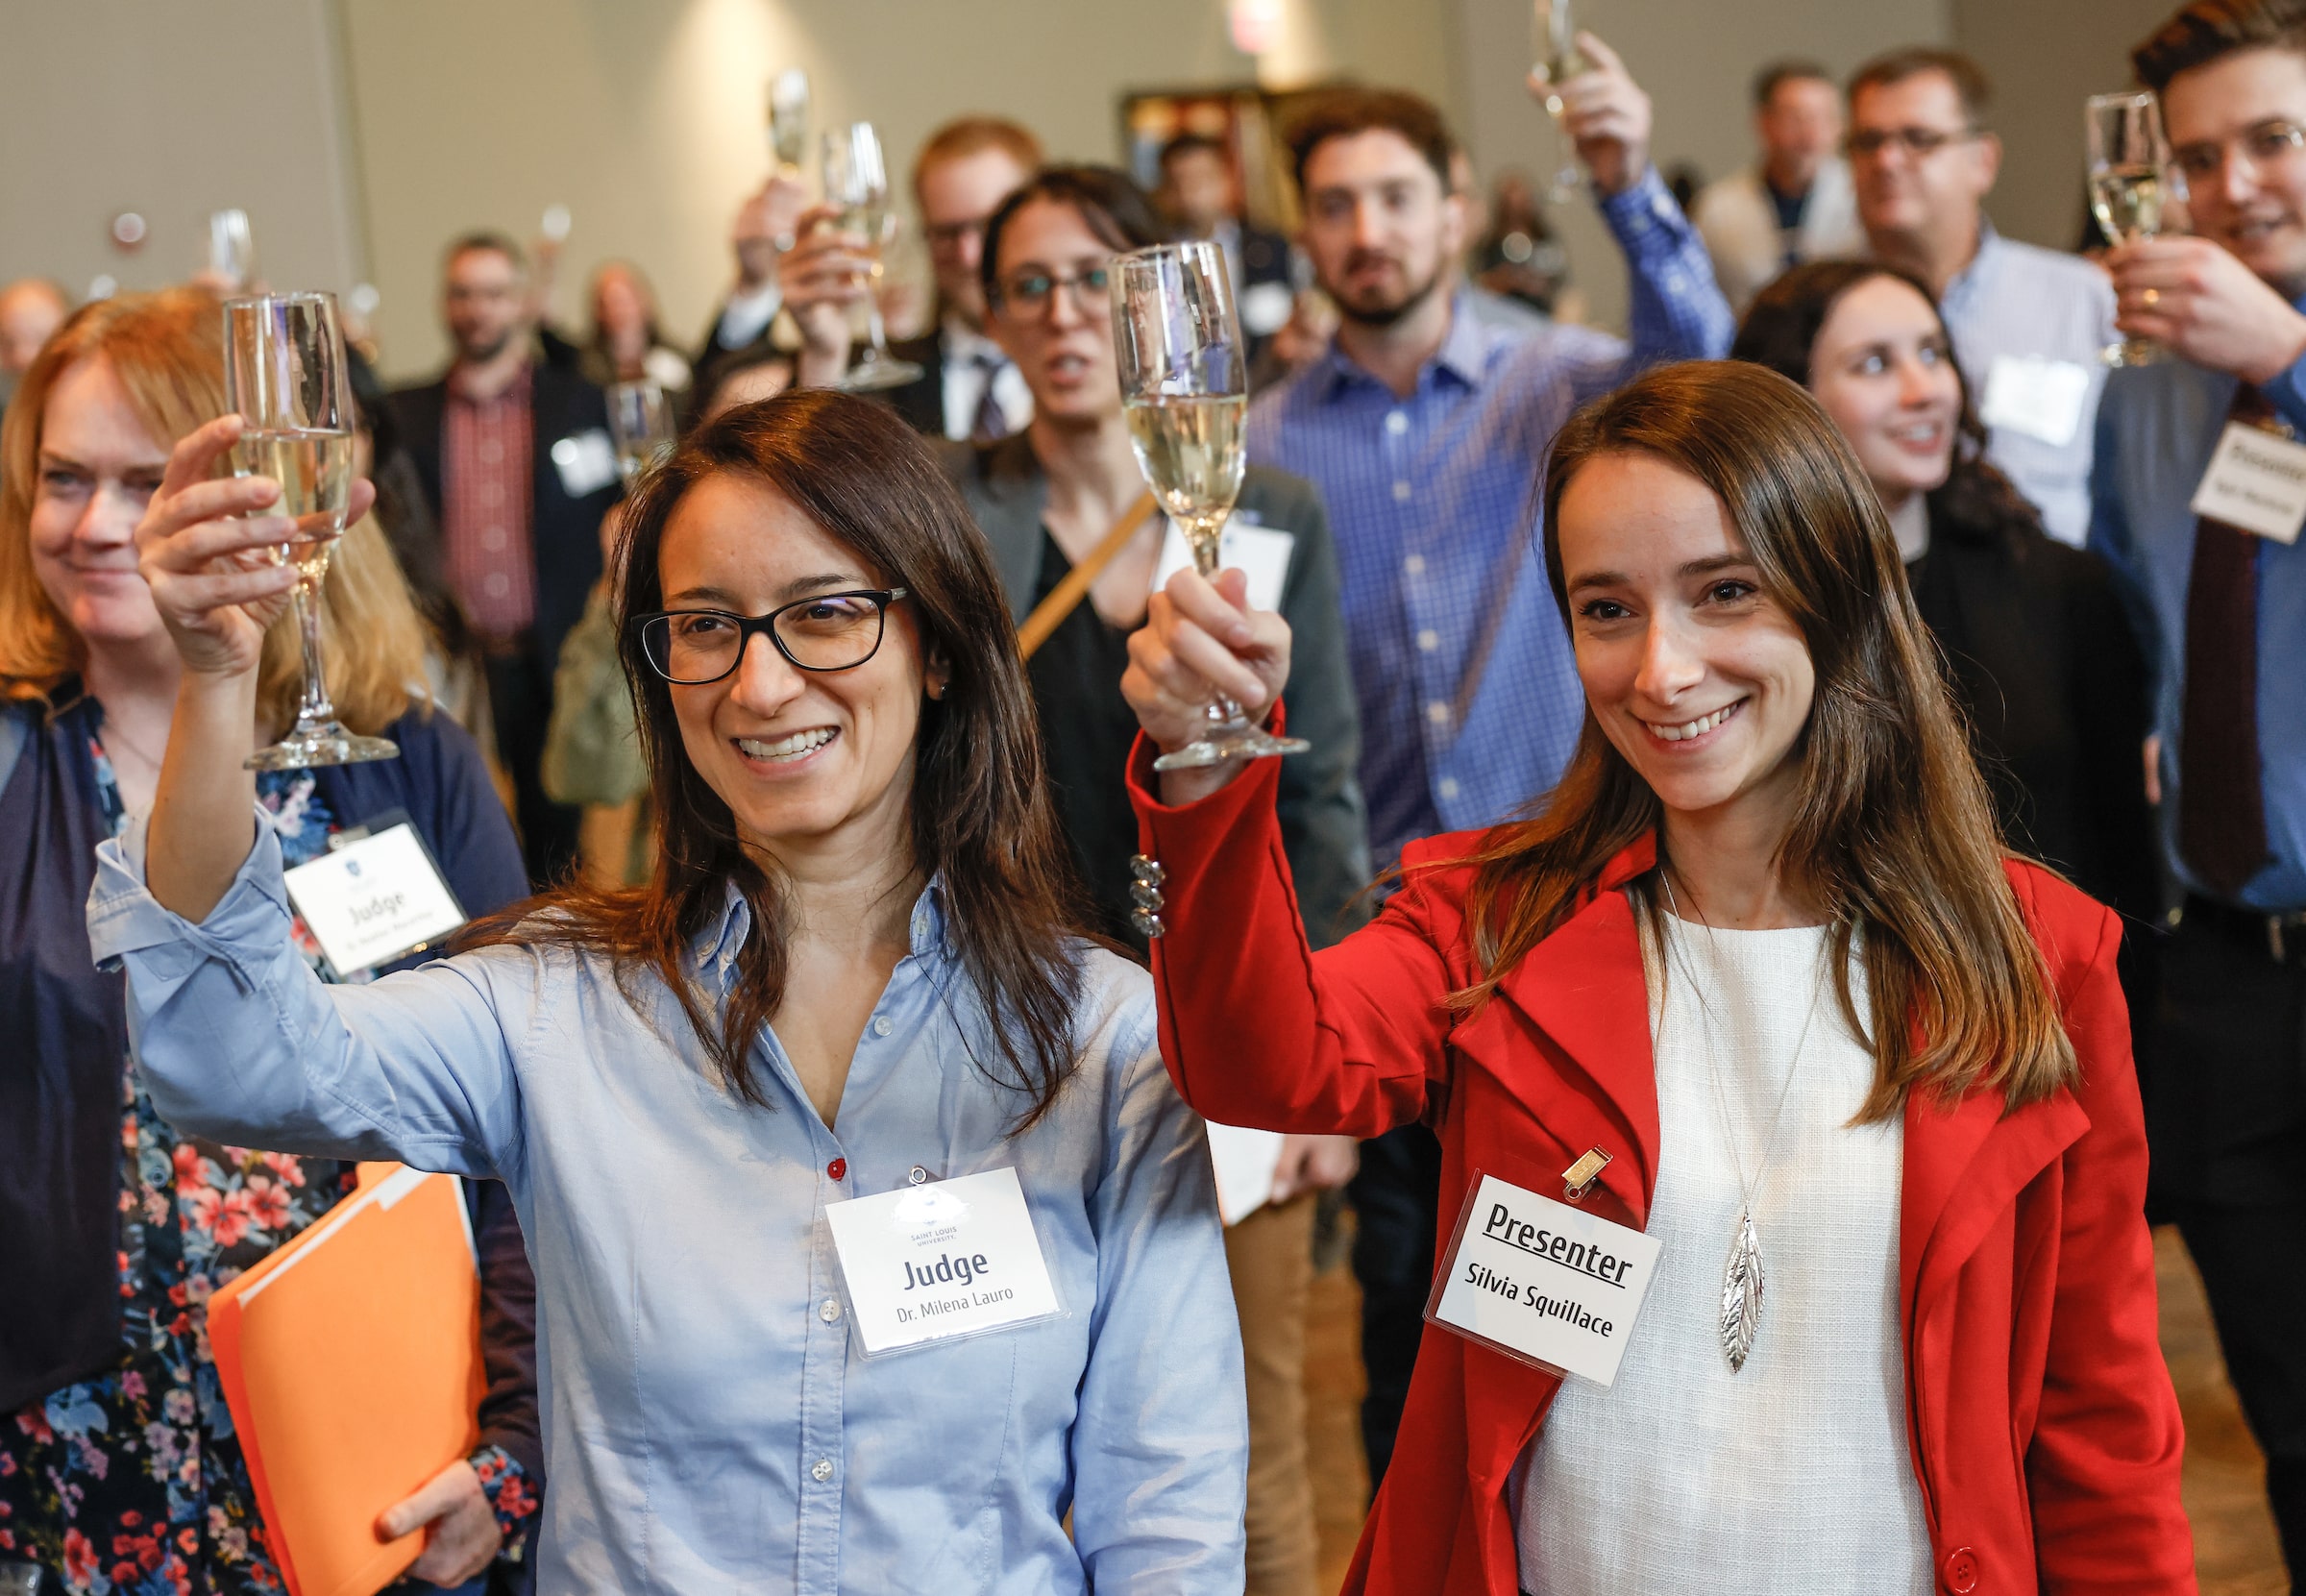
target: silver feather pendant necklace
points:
(1742, 1274)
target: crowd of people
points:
(1810, 777)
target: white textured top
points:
(1792, 1474)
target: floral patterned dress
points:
(132, 1483)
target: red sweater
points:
(2043, 1430)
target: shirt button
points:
(829, 1309)
(838, 1169)
(493, 539)
(821, 1470)
(1428, 640)
(916, 1175)
(1438, 712)
(1401, 493)
(1960, 1571)
(1397, 424)
(1414, 565)
(496, 587)
(1447, 787)
(881, 1026)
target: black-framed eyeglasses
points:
(1921, 144)
(1029, 293)
(828, 632)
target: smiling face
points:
(1904, 193)
(1697, 677)
(2245, 181)
(1063, 346)
(1882, 370)
(98, 467)
(807, 761)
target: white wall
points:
(172, 110)
(1697, 59)
(645, 117)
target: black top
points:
(1086, 730)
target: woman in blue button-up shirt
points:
(854, 969)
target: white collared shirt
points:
(964, 375)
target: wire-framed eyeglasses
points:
(827, 632)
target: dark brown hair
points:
(2208, 30)
(1768, 80)
(1970, 84)
(1780, 331)
(980, 818)
(1343, 112)
(1894, 834)
(1108, 201)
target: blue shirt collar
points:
(1973, 278)
(717, 944)
(1465, 353)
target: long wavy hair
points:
(1893, 833)
(979, 814)
(166, 349)
(1781, 330)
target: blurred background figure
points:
(625, 344)
(1796, 204)
(1518, 256)
(1201, 195)
(31, 310)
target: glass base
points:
(874, 374)
(323, 745)
(2131, 352)
(1226, 742)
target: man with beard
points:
(1426, 433)
(518, 469)
(2209, 556)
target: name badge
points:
(374, 900)
(1542, 1281)
(1260, 553)
(2041, 398)
(1245, 1163)
(587, 462)
(950, 1258)
(1266, 307)
(2257, 481)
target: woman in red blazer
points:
(1954, 1382)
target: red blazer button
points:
(1960, 1571)
(838, 1169)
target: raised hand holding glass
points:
(856, 179)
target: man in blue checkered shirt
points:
(1425, 432)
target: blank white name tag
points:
(2257, 481)
(2043, 399)
(371, 901)
(1263, 552)
(952, 1258)
(1543, 1282)
(587, 462)
(1245, 1163)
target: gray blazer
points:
(1324, 829)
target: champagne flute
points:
(1184, 389)
(2129, 180)
(232, 250)
(639, 422)
(789, 120)
(856, 179)
(1554, 40)
(284, 372)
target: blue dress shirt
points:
(709, 1423)
(2017, 300)
(1470, 700)
(2157, 427)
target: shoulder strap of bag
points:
(1050, 613)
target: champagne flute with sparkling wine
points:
(1184, 389)
(856, 179)
(2130, 179)
(789, 120)
(1554, 40)
(639, 422)
(284, 372)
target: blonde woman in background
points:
(117, 1459)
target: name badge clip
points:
(1577, 1179)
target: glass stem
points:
(873, 313)
(1223, 712)
(315, 710)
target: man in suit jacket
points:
(518, 469)
(1796, 205)
(1201, 197)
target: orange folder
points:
(351, 1360)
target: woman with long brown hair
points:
(116, 1451)
(1759, 980)
(842, 1077)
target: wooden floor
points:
(2234, 1535)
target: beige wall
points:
(171, 110)
(645, 117)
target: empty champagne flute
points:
(1184, 389)
(2130, 179)
(284, 372)
(232, 251)
(856, 180)
(1554, 40)
(789, 120)
(639, 422)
